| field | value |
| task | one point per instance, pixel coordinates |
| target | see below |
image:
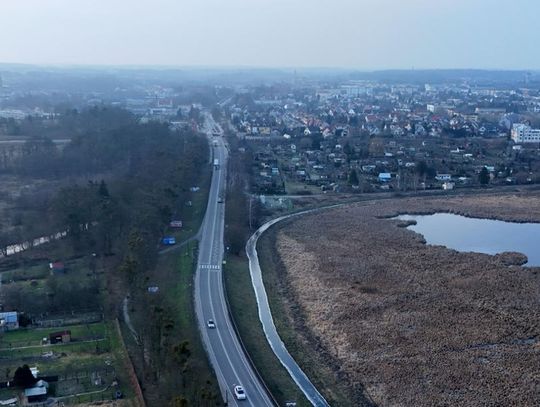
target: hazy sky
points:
(364, 34)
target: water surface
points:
(479, 235)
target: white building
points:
(448, 186)
(443, 177)
(521, 133)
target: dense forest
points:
(117, 185)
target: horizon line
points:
(218, 67)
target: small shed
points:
(38, 393)
(443, 177)
(60, 337)
(35, 371)
(175, 224)
(9, 321)
(447, 186)
(385, 176)
(169, 240)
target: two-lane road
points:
(224, 350)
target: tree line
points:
(152, 169)
(130, 180)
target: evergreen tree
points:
(483, 177)
(353, 178)
(23, 377)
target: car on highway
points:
(211, 324)
(220, 199)
(239, 393)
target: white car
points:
(211, 324)
(239, 393)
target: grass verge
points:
(244, 308)
(193, 215)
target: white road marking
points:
(210, 266)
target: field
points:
(87, 367)
(30, 286)
(401, 323)
(293, 187)
(92, 367)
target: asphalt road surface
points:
(225, 353)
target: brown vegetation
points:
(416, 324)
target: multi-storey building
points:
(521, 133)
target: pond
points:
(479, 235)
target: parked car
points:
(239, 393)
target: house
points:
(167, 103)
(38, 393)
(385, 177)
(368, 168)
(60, 337)
(9, 321)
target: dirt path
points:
(127, 320)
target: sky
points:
(358, 34)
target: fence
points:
(96, 346)
(129, 367)
(65, 319)
(44, 344)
